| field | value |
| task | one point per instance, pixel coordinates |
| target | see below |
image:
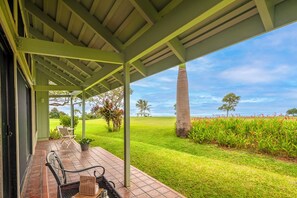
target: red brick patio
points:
(41, 183)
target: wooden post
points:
(126, 125)
(83, 114)
(72, 112)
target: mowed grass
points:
(195, 170)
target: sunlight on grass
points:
(192, 169)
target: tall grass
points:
(274, 135)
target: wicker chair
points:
(65, 189)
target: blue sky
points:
(261, 70)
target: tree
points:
(292, 111)
(183, 121)
(144, 107)
(54, 113)
(116, 97)
(65, 120)
(230, 102)
(58, 101)
(110, 113)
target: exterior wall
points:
(1, 169)
(42, 106)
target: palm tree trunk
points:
(183, 121)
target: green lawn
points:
(192, 169)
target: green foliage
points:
(144, 108)
(292, 112)
(55, 113)
(230, 102)
(65, 120)
(110, 113)
(184, 165)
(85, 141)
(54, 134)
(275, 136)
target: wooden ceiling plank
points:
(94, 24)
(54, 69)
(34, 10)
(63, 66)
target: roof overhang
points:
(84, 44)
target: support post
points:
(126, 125)
(72, 112)
(83, 114)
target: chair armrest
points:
(88, 168)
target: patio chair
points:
(67, 137)
(66, 189)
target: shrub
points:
(54, 134)
(65, 120)
(275, 136)
(85, 141)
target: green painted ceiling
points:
(85, 43)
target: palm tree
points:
(183, 121)
(143, 106)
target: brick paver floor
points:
(41, 183)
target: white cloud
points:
(143, 84)
(200, 65)
(166, 79)
(256, 100)
(255, 73)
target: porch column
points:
(83, 114)
(72, 112)
(126, 125)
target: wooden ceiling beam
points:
(56, 88)
(171, 25)
(55, 78)
(146, 10)
(32, 46)
(139, 67)
(266, 12)
(101, 75)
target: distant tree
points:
(292, 112)
(110, 113)
(65, 120)
(174, 106)
(230, 102)
(144, 107)
(115, 96)
(54, 113)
